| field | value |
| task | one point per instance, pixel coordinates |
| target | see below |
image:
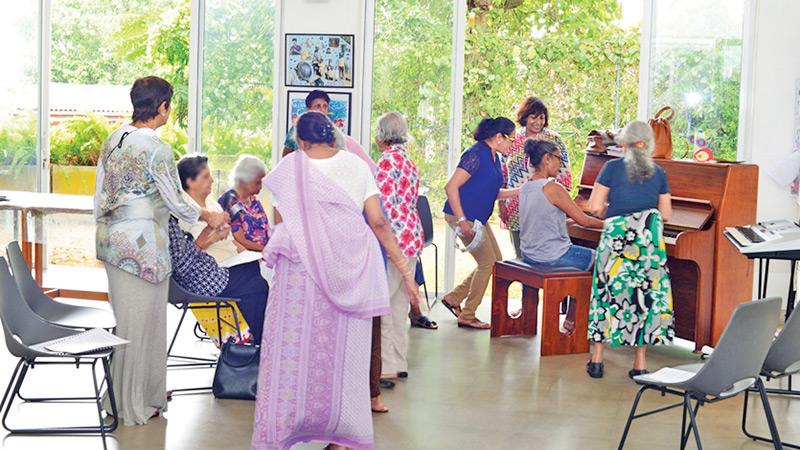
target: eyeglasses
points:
(510, 138)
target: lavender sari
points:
(329, 282)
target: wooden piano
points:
(709, 276)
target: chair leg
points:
(112, 399)
(773, 429)
(687, 431)
(17, 384)
(11, 383)
(177, 329)
(631, 417)
(98, 403)
(693, 420)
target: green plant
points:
(78, 141)
(18, 141)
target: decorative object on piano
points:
(701, 151)
(604, 141)
(662, 132)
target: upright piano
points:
(709, 276)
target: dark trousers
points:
(246, 284)
(375, 360)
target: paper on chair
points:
(669, 375)
(241, 258)
(94, 340)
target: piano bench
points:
(556, 284)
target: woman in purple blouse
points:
(249, 221)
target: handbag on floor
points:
(237, 372)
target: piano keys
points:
(709, 276)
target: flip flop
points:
(455, 309)
(475, 325)
(424, 322)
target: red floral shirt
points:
(398, 181)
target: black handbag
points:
(237, 372)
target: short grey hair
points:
(391, 129)
(246, 169)
(637, 138)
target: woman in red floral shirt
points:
(398, 181)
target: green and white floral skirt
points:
(631, 292)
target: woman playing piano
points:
(544, 205)
(631, 294)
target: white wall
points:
(322, 17)
(775, 67)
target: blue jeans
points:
(578, 257)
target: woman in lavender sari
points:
(329, 283)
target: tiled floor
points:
(465, 391)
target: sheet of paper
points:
(241, 258)
(670, 375)
(86, 342)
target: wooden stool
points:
(557, 283)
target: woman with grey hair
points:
(249, 221)
(398, 183)
(631, 301)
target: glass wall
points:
(412, 75)
(237, 83)
(19, 81)
(98, 48)
(696, 68)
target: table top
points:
(47, 203)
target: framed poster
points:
(319, 60)
(338, 111)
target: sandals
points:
(455, 309)
(569, 328)
(424, 322)
(474, 324)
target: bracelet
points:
(461, 219)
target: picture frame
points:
(319, 60)
(339, 111)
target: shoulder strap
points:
(119, 145)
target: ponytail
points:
(489, 127)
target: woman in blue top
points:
(631, 295)
(471, 192)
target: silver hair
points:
(246, 169)
(637, 138)
(391, 129)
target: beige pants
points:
(471, 290)
(394, 326)
(139, 369)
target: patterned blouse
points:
(137, 189)
(398, 181)
(252, 219)
(516, 172)
(192, 268)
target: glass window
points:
(98, 48)
(696, 69)
(411, 75)
(19, 80)
(237, 83)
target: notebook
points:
(241, 258)
(91, 341)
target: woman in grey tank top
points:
(543, 210)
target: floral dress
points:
(631, 300)
(398, 182)
(516, 171)
(251, 219)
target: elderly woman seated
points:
(197, 182)
(197, 272)
(249, 222)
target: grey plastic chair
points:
(426, 219)
(53, 311)
(23, 329)
(783, 361)
(184, 300)
(732, 368)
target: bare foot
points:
(474, 323)
(378, 406)
(389, 376)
